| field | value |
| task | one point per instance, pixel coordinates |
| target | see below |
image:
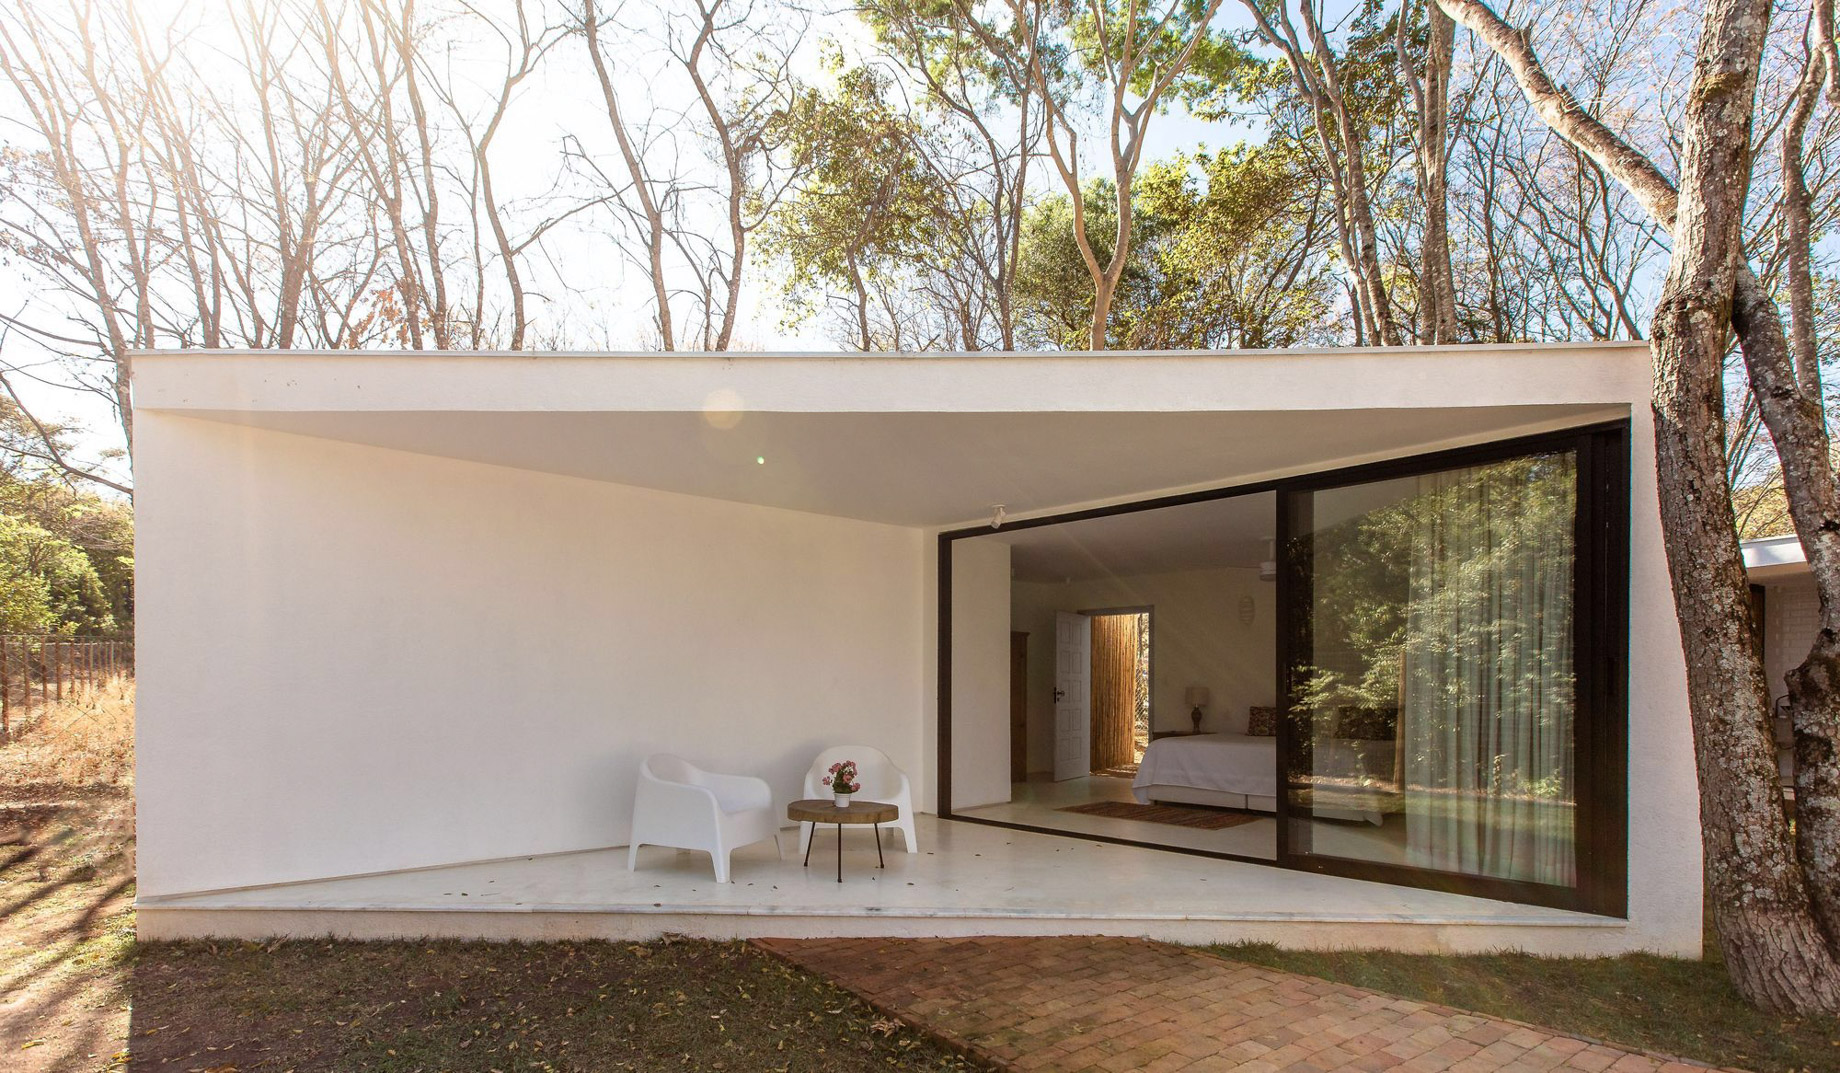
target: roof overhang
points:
(1770, 558)
(919, 440)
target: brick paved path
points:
(1090, 1004)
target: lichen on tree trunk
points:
(1773, 891)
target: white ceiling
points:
(1196, 536)
(919, 469)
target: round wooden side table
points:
(816, 812)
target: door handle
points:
(1059, 694)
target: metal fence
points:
(37, 671)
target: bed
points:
(1222, 770)
(1354, 778)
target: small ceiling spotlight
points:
(996, 516)
(760, 460)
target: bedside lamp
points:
(1196, 698)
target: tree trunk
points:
(865, 342)
(735, 169)
(635, 167)
(1104, 288)
(1775, 953)
(1431, 95)
(1315, 75)
(1771, 892)
(1799, 432)
(1773, 945)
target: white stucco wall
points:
(980, 673)
(1665, 859)
(356, 659)
(343, 669)
(1197, 638)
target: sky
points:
(563, 97)
(599, 286)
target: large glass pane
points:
(1432, 678)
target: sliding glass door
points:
(1449, 624)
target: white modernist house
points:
(1322, 647)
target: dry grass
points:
(67, 884)
(85, 740)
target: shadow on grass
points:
(67, 933)
(400, 1006)
(1668, 1005)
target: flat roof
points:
(1777, 556)
(1298, 379)
(909, 439)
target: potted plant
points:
(841, 778)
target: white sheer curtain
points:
(1488, 700)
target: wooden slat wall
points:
(1114, 689)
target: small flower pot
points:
(841, 800)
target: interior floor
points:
(1039, 801)
(1383, 843)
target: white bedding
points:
(1223, 763)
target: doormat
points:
(1205, 819)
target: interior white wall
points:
(356, 659)
(980, 673)
(1197, 637)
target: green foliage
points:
(1102, 33)
(1445, 566)
(1368, 66)
(940, 43)
(1053, 288)
(868, 202)
(66, 556)
(47, 584)
(1229, 250)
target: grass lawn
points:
(70, 970)
(1682, 1008)
(398, 1007)
(77, 993)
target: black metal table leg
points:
(879, 863)
(840, 853)
(808, 841)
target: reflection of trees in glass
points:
(1463, 585)
(1443, 617)
(1358, 621)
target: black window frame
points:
(1600, 639)
(1601, 647)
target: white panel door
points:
(1072, 695)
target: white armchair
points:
(681, 806)
(880, 779)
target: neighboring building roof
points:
(1777, 556)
